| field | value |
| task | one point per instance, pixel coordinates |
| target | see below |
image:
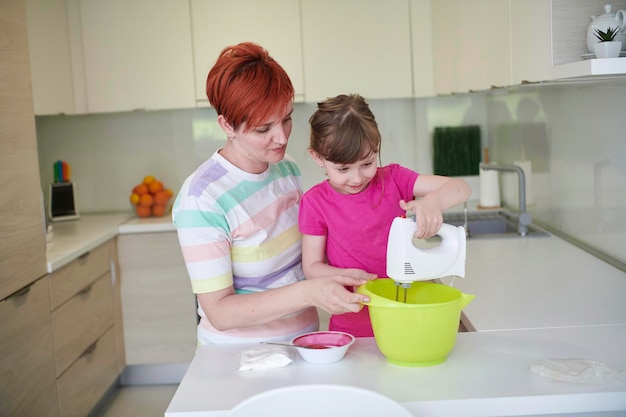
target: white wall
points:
(575, 136)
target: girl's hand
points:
(428, 216)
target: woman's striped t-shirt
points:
(240, 229)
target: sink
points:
(489, 225)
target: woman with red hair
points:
(236, 215)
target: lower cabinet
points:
(159, 307)
(85, 330)
(27, 373)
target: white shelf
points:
(590, 67)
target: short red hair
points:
(246, 85)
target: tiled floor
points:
(139, 401)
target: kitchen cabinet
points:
(84, 330)
(56, 69)
(422, 48)
(274, 24)
(23, 241)
(356, 46)
(531, 49)
(471, 45)
(27, 386)
(93, 57)
(159, 306)
(137, 55)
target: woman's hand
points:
(329, 292)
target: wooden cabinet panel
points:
(356, 46)
(81, 321)
(23, 242)
(88, 379)
(78, 274)
(158, 303)
(214, 28)
(27, 378)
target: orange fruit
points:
(161, 198)
(148, 179)
(146, 200)
(158, 210)
(143, 211)
(155, 186)
(134, 199)
(140, 189)
(168, 191)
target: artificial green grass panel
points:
(456, 150)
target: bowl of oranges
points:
(150, 198)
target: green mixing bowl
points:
(421, 331)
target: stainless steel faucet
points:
(524, 218)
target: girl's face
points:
(263, 144)
(350, 178)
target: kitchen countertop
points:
(73, 238)
(537, 283)
(487, 374)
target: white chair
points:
(319, 401)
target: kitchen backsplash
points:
(574, 135)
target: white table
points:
(487, 374)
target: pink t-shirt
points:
(356, 227)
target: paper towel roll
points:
(489, 189)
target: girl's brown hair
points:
(344, 130)
(246, 85)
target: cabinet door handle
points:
(90, 349)
(22, 292)
(85, 291)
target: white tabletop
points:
(487, 374)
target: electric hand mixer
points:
(407, 263)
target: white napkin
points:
(582, 371)
(265, 357)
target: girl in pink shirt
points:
(345, 220)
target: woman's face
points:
(351, 178)
(263, 144)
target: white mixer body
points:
(407, 263)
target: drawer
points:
(78, 274)
(27, 378)
(89, 378)
(81, 321)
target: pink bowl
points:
(328, 347)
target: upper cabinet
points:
(90, 56)
(356, 46)
(471, 45)
(50, 57)
(137, 54)
(273, 24)
(422, 48)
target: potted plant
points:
(607, 46)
